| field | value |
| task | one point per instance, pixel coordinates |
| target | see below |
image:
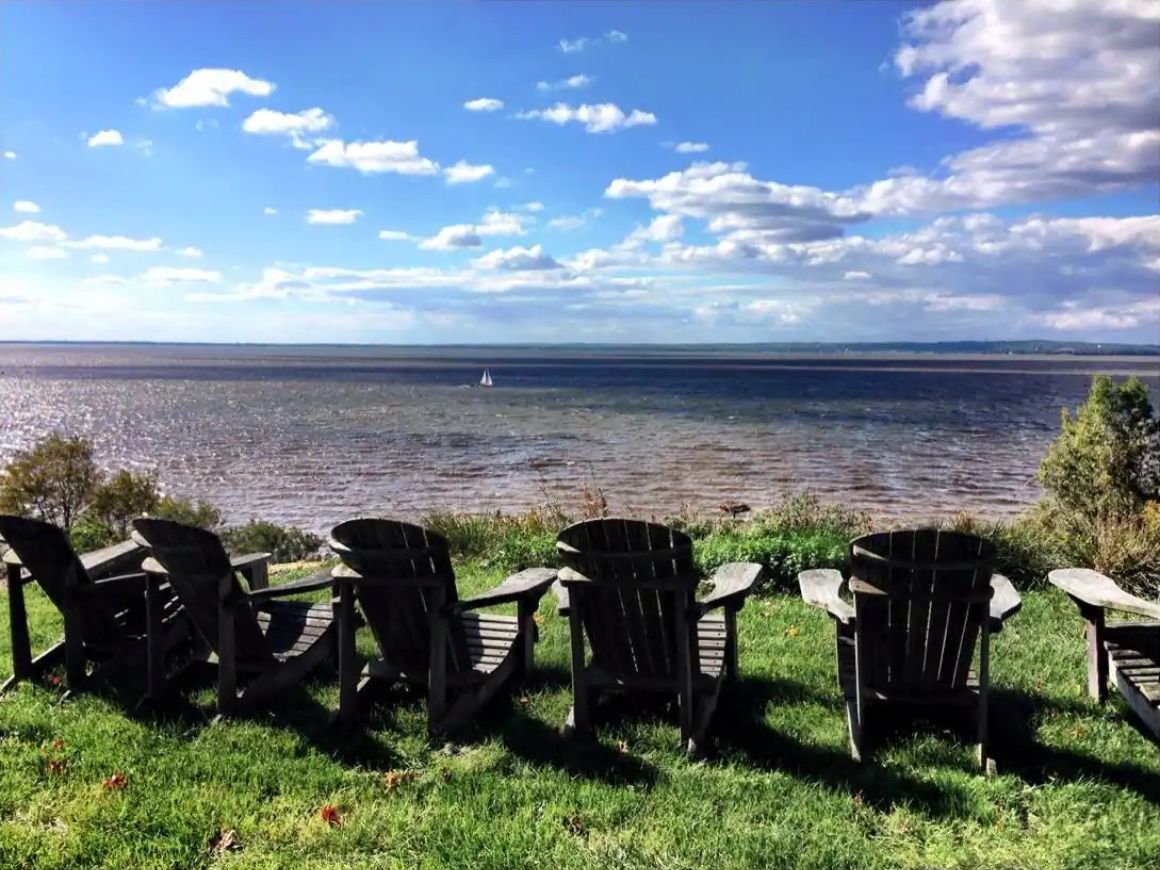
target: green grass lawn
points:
(1078, 786)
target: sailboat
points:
(485, 381)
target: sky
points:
(414, 173)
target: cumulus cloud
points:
(190, 252)
(463, 172)
(33, 231)
(118, 243)
(517, 259)
(691, 147)
(25, 206)
(269, 210)
(395, 236)
(211, 87)
(483, 104)
(567, 223)
(402, 158)
(458, 236)
(599, 118)
(9, 155)
(333, 215)
(569, 84)
(534, 206)
(298, 126)
(99, 258)
(106, 138)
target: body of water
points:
(314, 435)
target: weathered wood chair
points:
(261, 644)
(923, 600)
(629, 589)
(104, 612)
(402, 577)
(1127, 651)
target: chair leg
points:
(348, 671)
(857, 735)
(579, 722)
(22, 668)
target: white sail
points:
(485, 381)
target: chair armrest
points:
(531, 583)
(105, 584)
(731, 584)
(1005, 602)
(820, 588)
(239, 563)
(563, 602)
(1096, 590)
(152, 566)
(109, 559)
(313, 583)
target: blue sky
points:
(580, 172)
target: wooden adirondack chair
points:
(923, 599)
(629, 589)
(261, 643)
(401, 575)
(1126, 651)
(104, 615)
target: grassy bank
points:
(1078, 786)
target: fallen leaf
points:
(525, 700)
(54, 680)
(117, 782)
(58, 744)
(622, 746)
(225, 841)
(331, 816)
(793, 631)
(858, 802)
(575, 825)
(537, 619)
(57, 766)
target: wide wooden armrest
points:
(104, 585)
(530, 584)
(731, 584)
(1095, 590)
(109, 559)
(239, 563)
(319, 580)
(820, 588)
(152, 566)
(563, 602)
(1005, 602)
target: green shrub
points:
(477, 536)
(116, 501)
(783, 554)
(284, 543)
(519, 550)
(54, 480)
(89, 533)
(182, 510)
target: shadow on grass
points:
(1016, 749)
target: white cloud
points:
(691, 147)
(106, 138)
(458, 236)
(372, 157)
(9, 155)
(395, 236)
(572, 46)
(43, 252)
(99, 258)
(533, 206)
(728, 198)
(333, 215)
(297, 126)
(567, 223)
(855, 275)
(117, 243)
(163, 276)
(211, 87)
(453, 238)
(483, 104)
(191, 252)
(466, 173)
(599, 118)
(25, 206)
(665, 228)
(268, 210)
(105, 281)
(569, 84)
(33, 231)
(517, 260)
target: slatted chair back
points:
(200, 575)
(920, 598)
(642, 584)
(45, 550)
(405, 573)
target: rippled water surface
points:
(314, 435)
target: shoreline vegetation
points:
(84, 782)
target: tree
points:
(1105, 461)
(54, 480)
(122, 497)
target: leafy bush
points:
(284, 543)
(520, 550)
(182, 510)
(476, 536)
(783, 554)
(54, 480)
(116, 501)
